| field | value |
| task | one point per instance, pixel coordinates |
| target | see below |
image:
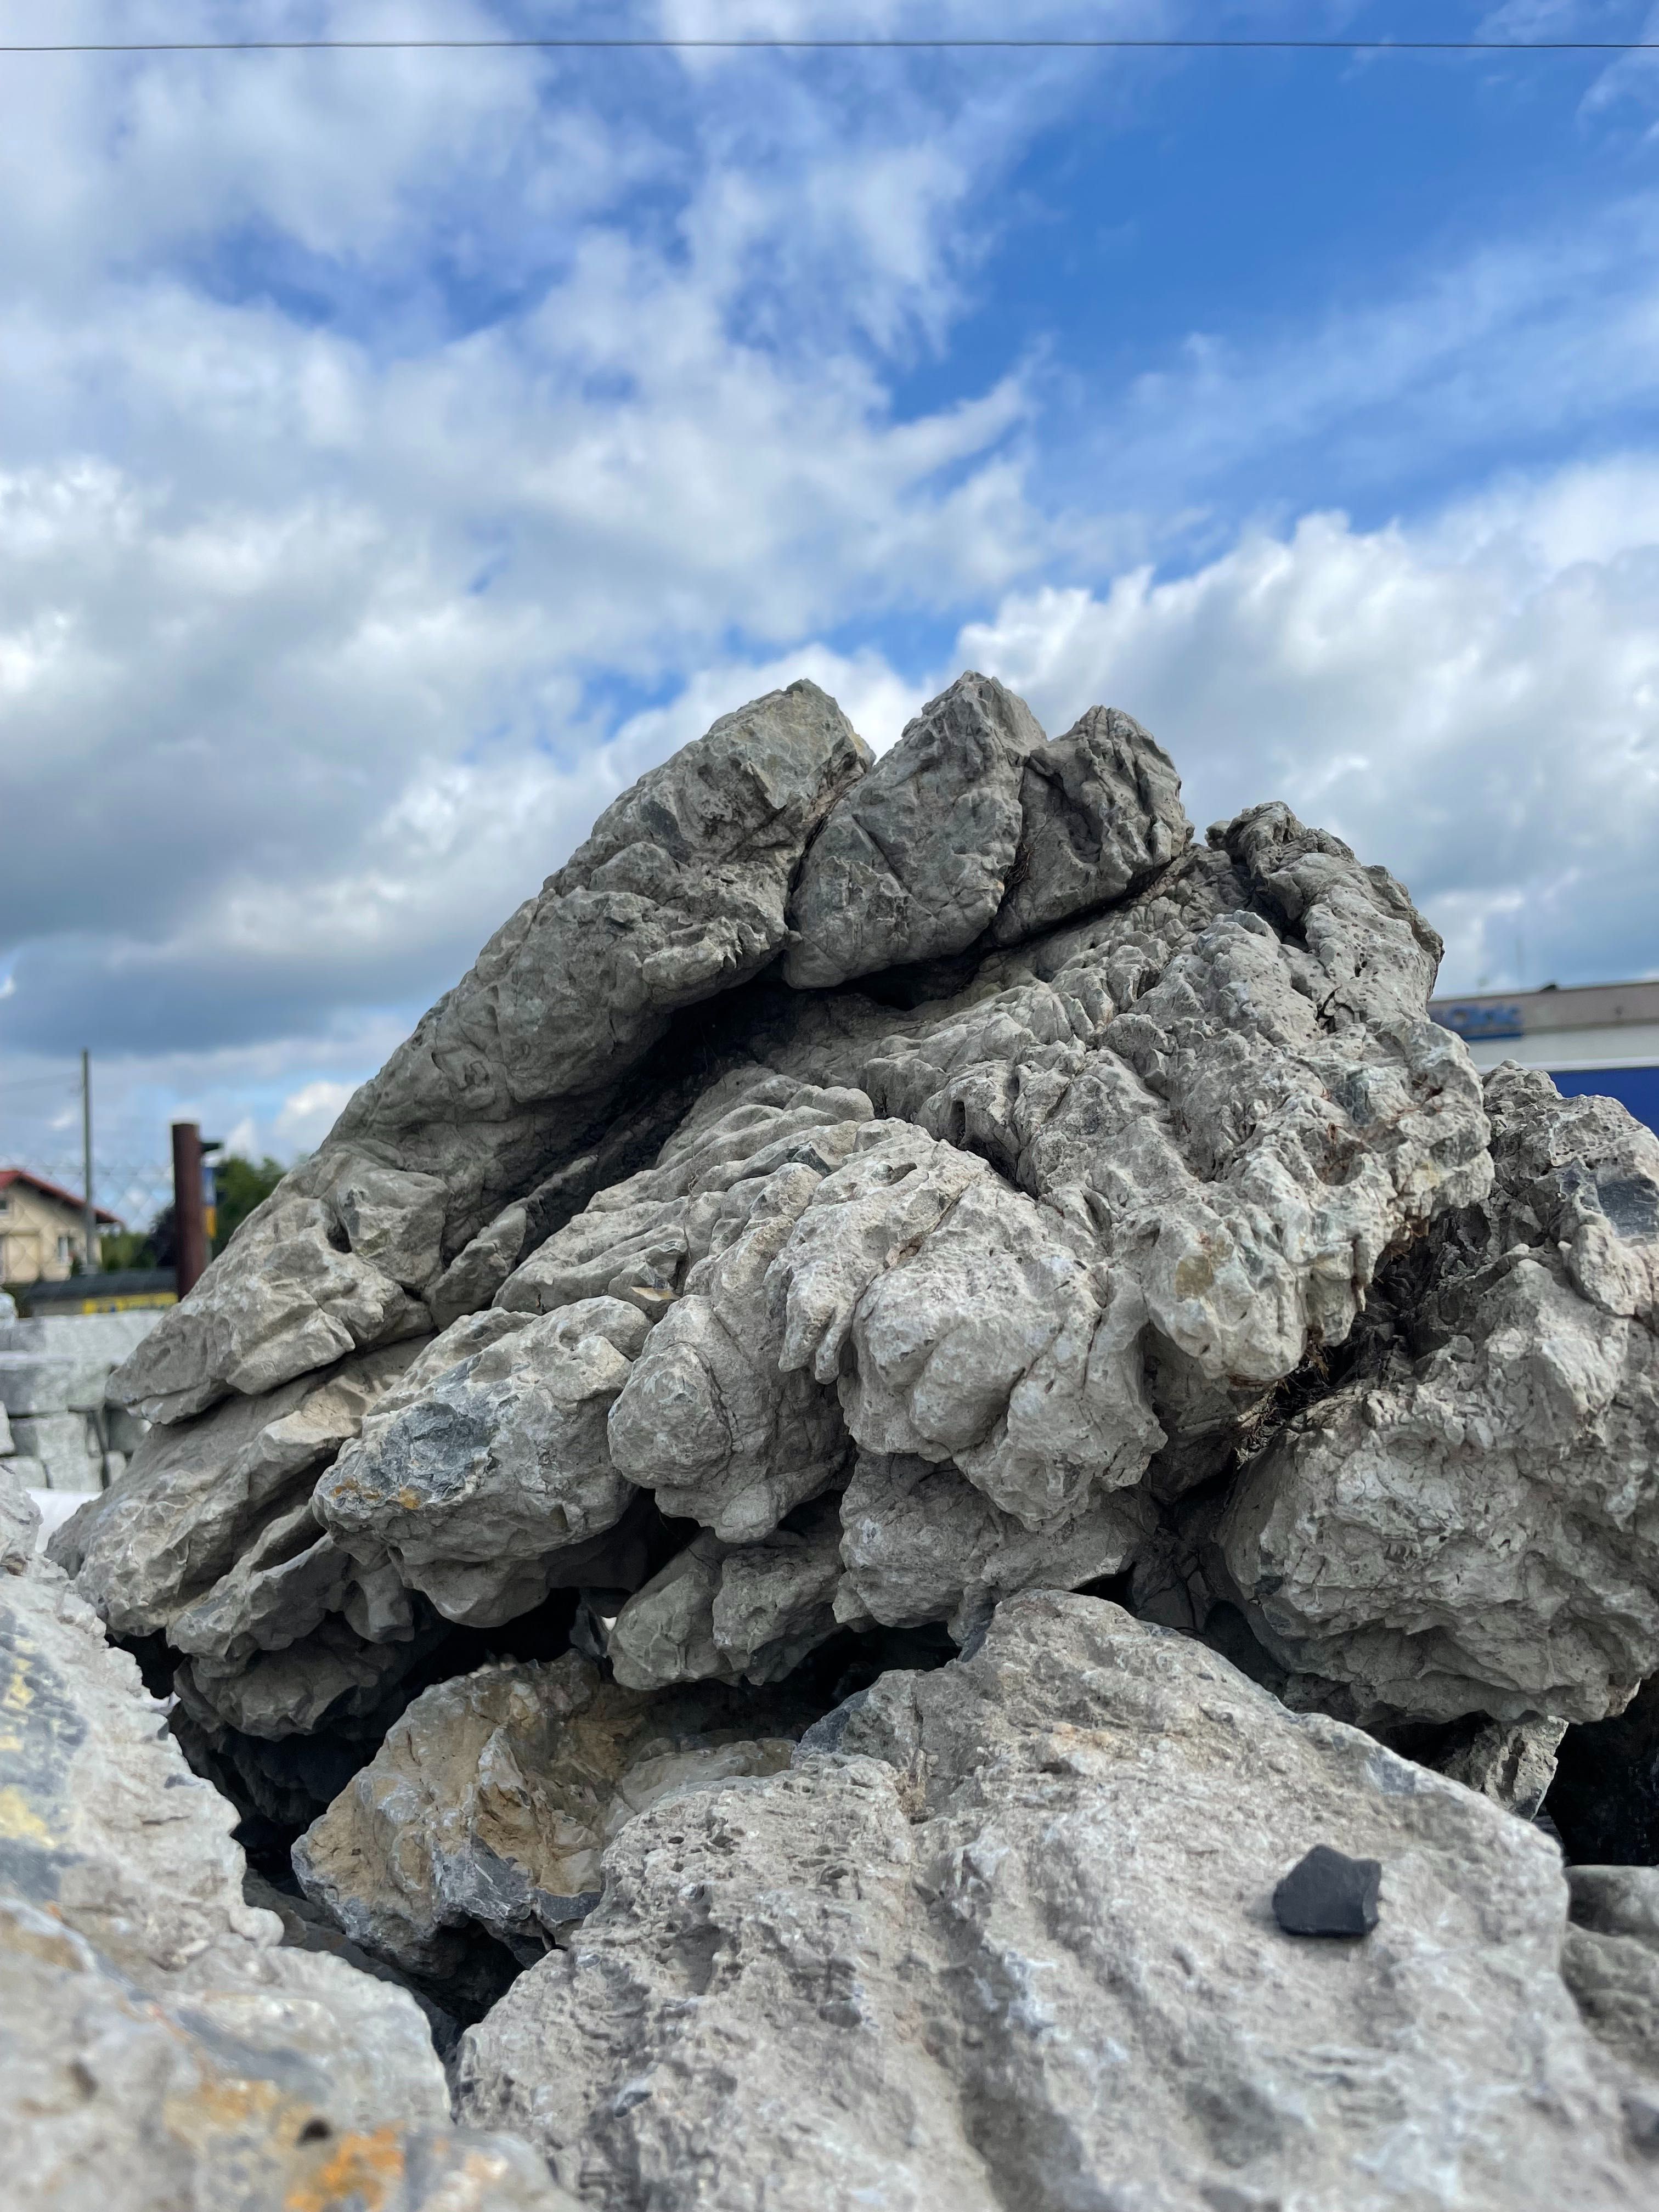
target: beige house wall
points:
(38, 1236)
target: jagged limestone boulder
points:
(20, 1523)
(1011, 1941)
(209, 1538)
(491, 1801)
(1472, 1522)
(1024, 1202)
(678, 893)
(160, 2049)
(124, 2101)
(913, 861)
(495, 1462)
(1100, 811)
(1611, 1964)
(199, 1493)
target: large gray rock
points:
(1013, 1943)
(1093, 1239)
(732, 1612)
(1100, 811)
(679, 893)
(1611, 1964)
(19, 1522)
(197, 1494)
(1472, 1522)
(491, 1801)
(920, 1543)
(913, 862)
(496, 1462)
(157, 2043)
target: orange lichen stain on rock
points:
(361, 2173)
(409, 1499)
(17, 1697)
(20, 1823)
(219, 2105)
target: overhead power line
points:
(961, 44)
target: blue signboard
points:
(1636, 1089)
(1472, 1023)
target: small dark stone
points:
(1327, 1894)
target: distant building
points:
(1592, 1038)
(42, 1229)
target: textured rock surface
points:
(209, 1538)
(1611, 1964)
(678, 893)
(1012, 1943)
(492, 1800)
(1513, 1766)
(20, 1523)
(199, 1493)
(1472, 1522)
(1100, 811)
(495, 1463)
(734, 1612)
(849, 1196)
(124, 2101)
(307, 1927)
(159, 2047)
(913, 862)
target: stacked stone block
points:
(56, 1432)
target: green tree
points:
(120, 1248)
(240, 1185)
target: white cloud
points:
(309, 1112)
(244, 1138)
(300, 614)
(376, 437)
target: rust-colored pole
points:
(190, 1250)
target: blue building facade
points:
(1593, 1038)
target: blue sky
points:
(400, 452)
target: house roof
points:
(53, 1190)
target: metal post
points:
(190, 1254)
(90, 1232)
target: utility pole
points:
(90, 1231)
(190, 1252)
